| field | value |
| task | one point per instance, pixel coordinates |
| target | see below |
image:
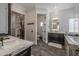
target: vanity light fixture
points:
(55, 18)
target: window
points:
(73, 25)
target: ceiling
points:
(59, 6)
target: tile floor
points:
(42, 49)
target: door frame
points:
(44, 40)
(14, 12)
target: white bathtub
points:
(74, 39)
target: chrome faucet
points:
(1, 39)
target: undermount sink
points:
(74, 39)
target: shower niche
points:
(17, 25)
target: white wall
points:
(64, 19)
(64, 16)
(4, 18)
(41, 11)
(31, 18)
(17, 8)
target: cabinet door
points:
(61, 38)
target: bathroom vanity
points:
(56, 37)
(15, 47)
(72, 45)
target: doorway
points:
(17, 25)
(41, 27)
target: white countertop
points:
(58, 32)
(13, 44)
(70, 40)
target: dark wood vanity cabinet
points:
(25, 52)
(56, 38)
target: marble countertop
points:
(57, 32)
(13, 44)
(71, 40)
